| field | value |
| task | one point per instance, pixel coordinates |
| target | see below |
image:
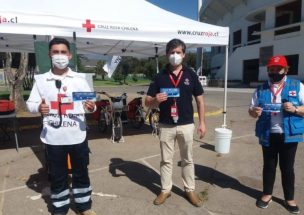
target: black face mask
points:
(276, 77)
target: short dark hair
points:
(172, 44)
(58, 40)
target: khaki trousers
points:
(183, 135)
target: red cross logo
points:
(88, 25)
(64, 107)
(292, 93)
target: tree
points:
(125, 70)
(99, 69)
(15, 77)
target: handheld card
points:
(83, 96)
(171, 92)
(273, 107)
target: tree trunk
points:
(15, 79)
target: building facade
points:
(259, 29)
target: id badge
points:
(174, 111)
(66, 99)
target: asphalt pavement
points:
(125, 176)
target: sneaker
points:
(294, 209)
(262, 204)
(87, 212)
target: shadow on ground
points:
(214, 177)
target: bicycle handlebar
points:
(122, 96)
(141, 92)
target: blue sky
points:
(187, 8)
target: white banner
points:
(111, 65)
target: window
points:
(253, 39)
(265, 53)
(293, 62)
(288, 14)
(237, 39)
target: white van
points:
(203, 80)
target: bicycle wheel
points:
(117, 128)
(102, 123)
(138, 120)
(153, 119)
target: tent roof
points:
(116, 27)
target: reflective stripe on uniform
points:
(61, 203)
(83, 199)
(59, 195)
(82, 190)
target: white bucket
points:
(222, 140)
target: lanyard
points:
(275, 94)
(178, 79)
(175, 84)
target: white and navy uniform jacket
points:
(73, 126)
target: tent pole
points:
(74, 40)
(225, 87)
(156, 59)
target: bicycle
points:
(152, 114)
(112, 113)
(136, 111)
(103, 114)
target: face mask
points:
(276, 77)
(175, 59)
(60, 61)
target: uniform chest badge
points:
(187, 82)
(292, 93)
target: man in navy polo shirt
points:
(172, 90)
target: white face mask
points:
(175, 59)
(60, 61)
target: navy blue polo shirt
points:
(189, 85)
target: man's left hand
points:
(289, 107)
(201, 130)
(89, 105)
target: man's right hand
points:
(44, 108)
(255, 111)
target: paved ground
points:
(125, 176)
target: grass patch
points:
(5, 94)
(204, 195)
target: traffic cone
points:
(69, 163)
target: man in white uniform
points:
(64, 129)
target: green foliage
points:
(118, 76)
(134, 78)
(133, 66)
(99, 69)
(80, 66)
(190, 60)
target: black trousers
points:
(285, 153)
(81, 189)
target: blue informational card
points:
(83, 96)
(171, 92)
(273, 108)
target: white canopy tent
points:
(117, 27)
